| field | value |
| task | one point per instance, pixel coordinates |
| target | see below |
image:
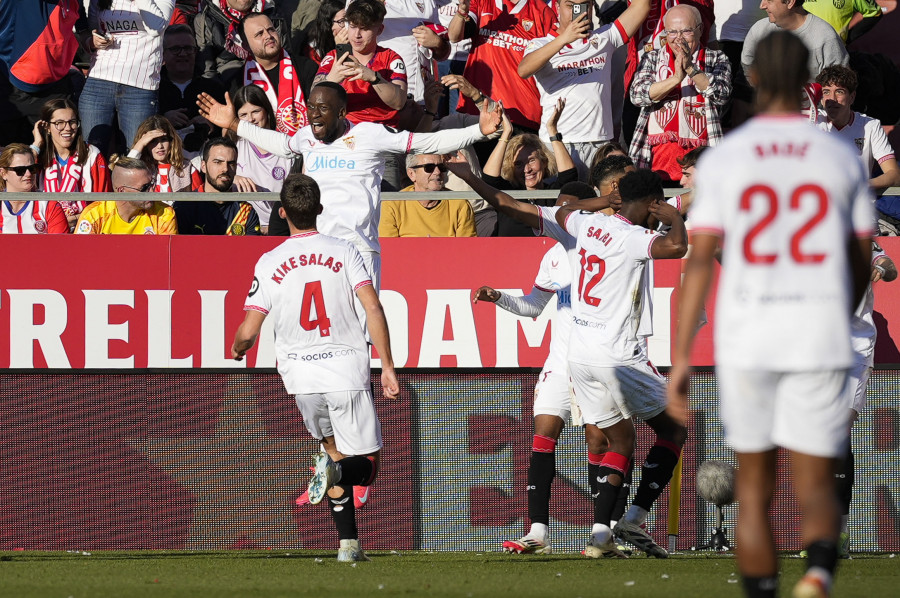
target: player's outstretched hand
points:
(677, 405)
(490, 120)
(389, 384)
(664, 212)
(458, 165)
(221, 115)
(486, 294)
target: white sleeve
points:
(443, 142)
(536, 44)
(273, 142)
(550, 227)
(637, 243)
(881, 147)
(356, 269)
(706, 216)
(575, 220)
(529, 306)
(156, 14)
(258, 297)
(862, 210)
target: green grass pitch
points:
(270, 574)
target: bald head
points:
(685, 13)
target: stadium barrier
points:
(124, 424)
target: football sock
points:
(844, 478)
(344, 514)
(610, 475)
(760, 587)
(594, 461)
(540, 531)
(656, 472)
(624, 491)
(357, 471)
(636, 515)
(541, 471)
(821, 560)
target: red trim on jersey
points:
(885, 158)
(864, 234)
(409, 143)
(566, 222)
(256, 308)
(623, 218)
(621, 30)
(362, 284)
(308, 233)
(540, 288)
(650, 246)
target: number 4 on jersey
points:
(314, 300)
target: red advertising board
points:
(153, 302)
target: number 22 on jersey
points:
(808, 193)
(314, 300)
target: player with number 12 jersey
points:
(308, 284)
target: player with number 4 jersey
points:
(309, 285)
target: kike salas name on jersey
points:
(304, 260)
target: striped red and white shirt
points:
(35, 217)
(136, 26)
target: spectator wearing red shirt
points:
(19, 173)
(500, 30)
(374, 77)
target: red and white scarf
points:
(66, 180)
(682, 117)
(289, 105)
(233, 42)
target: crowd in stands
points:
(102, 95)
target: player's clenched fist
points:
(486, 294)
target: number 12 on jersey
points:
(588, 264)
(314, 300)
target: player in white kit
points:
(346, 160)
(611, 374)
(792, 208)
(309, 284)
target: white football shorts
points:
(552, 395)
(348, 415)
(804, 412)
(859, 379)
(607, 395)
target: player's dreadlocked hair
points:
(640, 185)
(301, 200)
(780, 68)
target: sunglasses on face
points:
(145, 189)
(21, 170)
(429, 168)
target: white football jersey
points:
(865, 134)
(349, 169)
(863, 324)
(610, 282)
(582, 74)
(555, 276)
(308, 285)
(786, 197)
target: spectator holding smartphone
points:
(123, 81)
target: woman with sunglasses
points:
(157, 143)
(19, 174)
(68, 163)
(257, 169)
